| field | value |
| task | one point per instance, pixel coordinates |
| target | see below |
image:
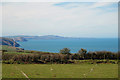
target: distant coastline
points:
(53, 43)
(47, 37)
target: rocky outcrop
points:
(9, 42)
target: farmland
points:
(36, 64)
(60, 70)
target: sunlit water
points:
(110, 44)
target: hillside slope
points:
(9, 42)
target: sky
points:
(69, 19)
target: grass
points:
(60, 70)
(16, 53)
(8, 48)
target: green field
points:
(60, 70)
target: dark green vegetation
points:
(65, 51)
(64, 57)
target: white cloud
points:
(45, 18)
(101, 4)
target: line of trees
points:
(82, 54)
(63, 57)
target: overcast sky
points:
(71, 19)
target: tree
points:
(65, 51)
(82, 52)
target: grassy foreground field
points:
(60, 70)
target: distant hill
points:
(49, 37)
(19, 39)
(16, 38)
(25, 38)
(8, 42)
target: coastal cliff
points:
(8, 42)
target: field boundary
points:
(22, 73)
(91, 70)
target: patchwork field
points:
(60, 70)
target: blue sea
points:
(106, 44)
